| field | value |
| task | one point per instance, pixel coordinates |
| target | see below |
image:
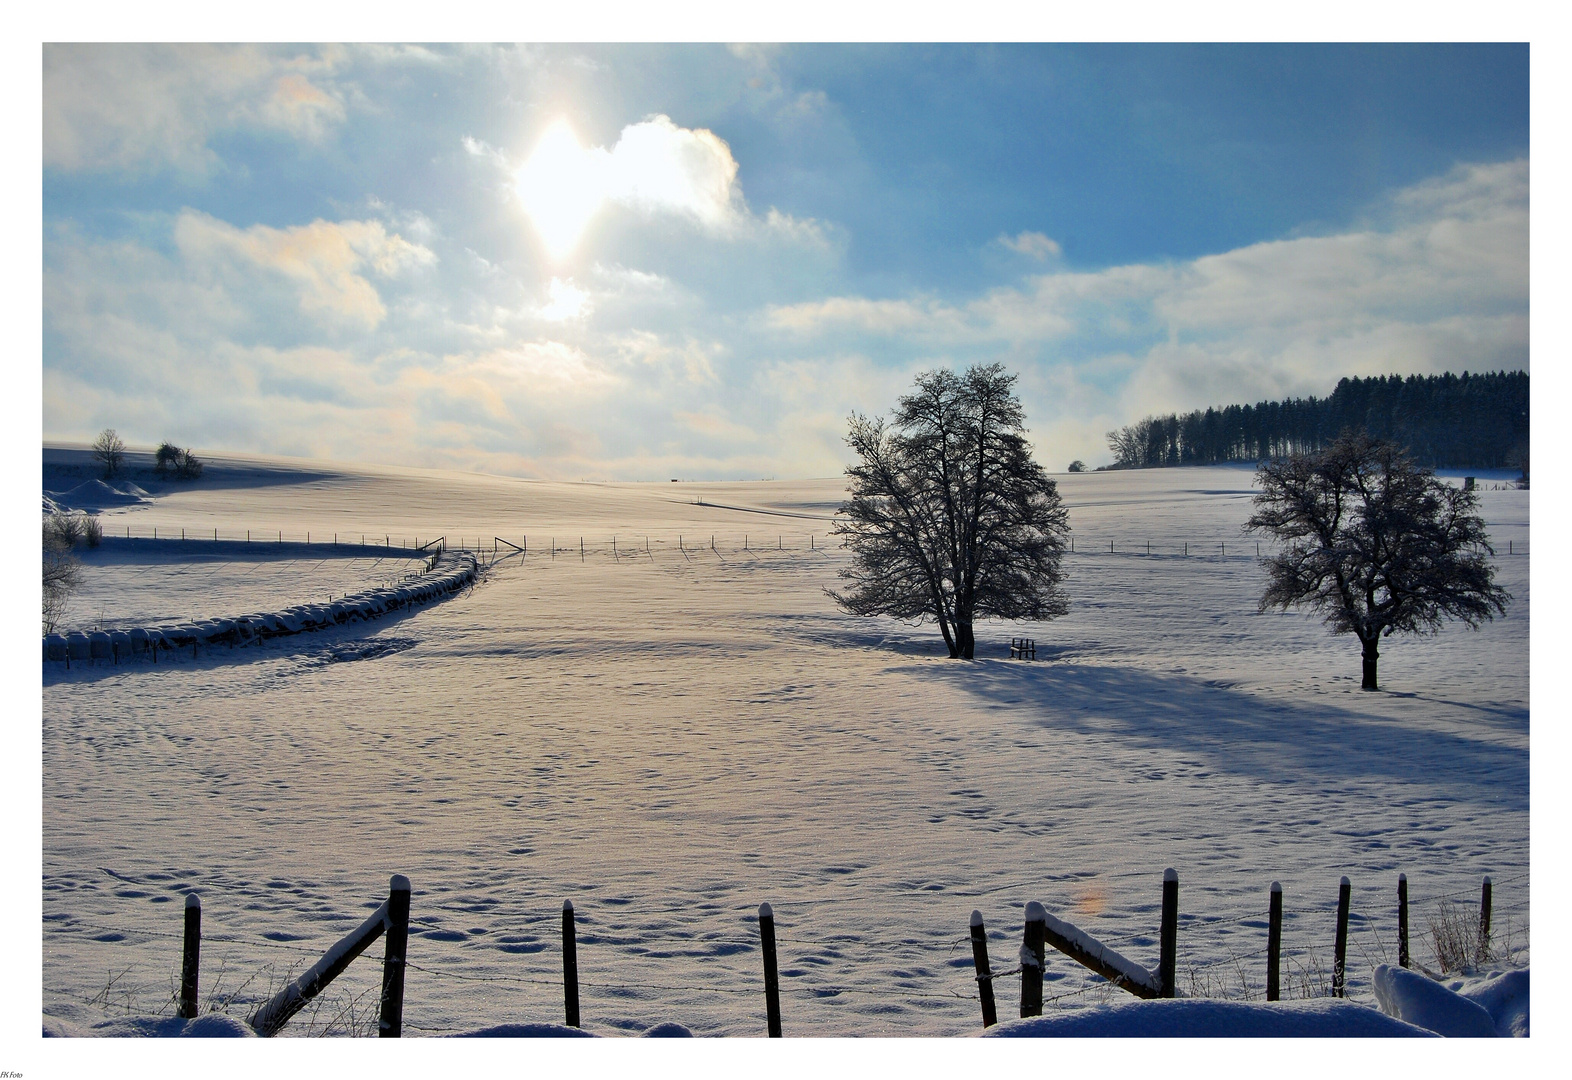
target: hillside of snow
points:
(669, 733)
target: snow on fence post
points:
(390, 1024)
(1484, 922)
(772, 986)
(570, 965)
(190, 957)
(984, 973)
(1033, 959)
(1340, 946)
(1402, 920)
(1274, 941)
(1168, 936)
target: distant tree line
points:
(1458, 421)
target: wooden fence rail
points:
(392, 919)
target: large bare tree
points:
(950, 519)
(1375, 543)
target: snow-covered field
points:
(674, 734)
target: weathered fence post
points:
(1168, 935)
(1033, 958)
(570, 965)
(191, 956)
(1484, 922)
(1340, 947)
(1274, 941)
(1402, 920)
(390, 1024)
(984, 973)
(772, 986)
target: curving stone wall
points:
(447, 574)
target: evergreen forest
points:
(1444, 421)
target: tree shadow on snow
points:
(1273, 739)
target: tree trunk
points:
(949, 639)
(964, 640)
(1371, 653)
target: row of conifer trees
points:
(1459, 421)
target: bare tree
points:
(62, 573)
(1375, 543)
(109, 450)
(950, 519)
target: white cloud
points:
(1035, 245)
(323, 261)
(148, 107)
(656, 168)
(567, 301)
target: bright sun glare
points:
(561, 186)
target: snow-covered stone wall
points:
(447, 574)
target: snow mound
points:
(206, 1026)
(94, 495)
(1416, 999)
(1504, 994)
(525, 1031)
(1189, 1018)
(562, 1031)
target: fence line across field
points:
(643, 545)
(393, 919)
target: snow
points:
(669, 738)
(1503, 994)
(1422, 1001)
(1178, 1018)
(206, 1026)
(95, 496)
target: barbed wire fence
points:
(348, 1013)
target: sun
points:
(562, 185)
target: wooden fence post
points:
(1340, 947)
(772, 986)
(570, 965)
(1033, 958)
(1168, 935)
(390, 1025)
(1402, 920)
(1484, 922)
(984, 973)
(1274, 941)
(190, 959)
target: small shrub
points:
(92, 532)
(63, 531)
(62, 573)
(168, 457)
(189, 466)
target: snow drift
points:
(1191, 1018)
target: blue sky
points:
(636, 262)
